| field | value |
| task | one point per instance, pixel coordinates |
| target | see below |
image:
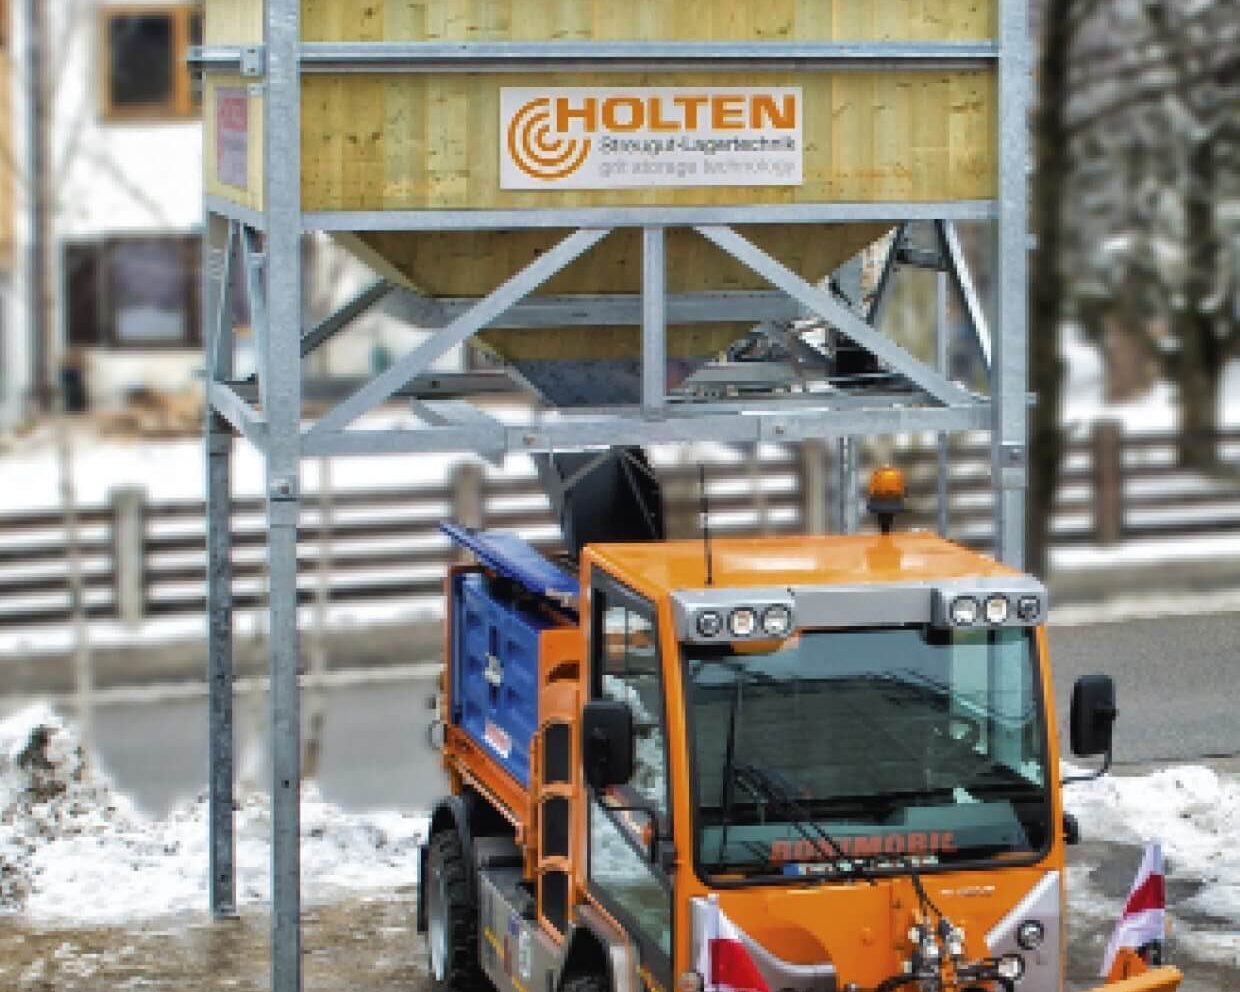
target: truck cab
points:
(830, 719)
(781, 763)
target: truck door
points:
(625, 666)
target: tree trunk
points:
(1199, 396)
(1047, 283)
(1199, 368)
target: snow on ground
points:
(75, 851)
(1195, 812)
(1084, 399)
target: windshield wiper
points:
(774, 788)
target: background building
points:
(122, 184)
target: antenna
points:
(710, 571)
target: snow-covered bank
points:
(1195, 812)
(74, 851)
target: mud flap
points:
(1155, 980)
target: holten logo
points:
(604, 138)
(537, 150)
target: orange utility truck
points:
(778, 764)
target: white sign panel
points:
(647, 136)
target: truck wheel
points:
(451, 918)
(589, 982)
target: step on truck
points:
(775, 764)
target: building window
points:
(144, 71)
(139, 292)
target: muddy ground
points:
(366, 945)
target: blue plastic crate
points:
(495, 673)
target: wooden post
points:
(83, 668)
(469, 501)
(814, 486)
(1108, 454)
(129, 553)
(761, 506)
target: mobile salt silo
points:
(583, 185)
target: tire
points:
(588, 982)
(451, 918)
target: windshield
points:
(892, 745)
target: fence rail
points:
(141, 558)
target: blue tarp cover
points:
(517, 560)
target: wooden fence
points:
(140, 559)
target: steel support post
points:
(282, 409)
(654, 322)
(216, 313)
(1009, 373)
(942, 341)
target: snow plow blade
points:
(1165, 979)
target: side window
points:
(630, 674)
(625, 667)
(992, 683)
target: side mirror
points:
(1093, 715)
(607, 743)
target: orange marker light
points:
(887, 483)
(886, 496)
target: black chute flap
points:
(603, 497)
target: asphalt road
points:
(1177, 680)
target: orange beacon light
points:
(886, 495)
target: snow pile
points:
(73, 850)
(1195, 812)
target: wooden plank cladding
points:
(472, 263)
(425, 141)
(667, 20)
(404, 142)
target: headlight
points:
(1030, 934)
(964, 611)
(1028, 608)
(709, 623)
(777, 621)
(742, 621)
(996, 609)
(1011, 967)
(690, 981)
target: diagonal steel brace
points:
(383, 386)
(843, 319)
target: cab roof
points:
(664, 567)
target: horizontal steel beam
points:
(892, 212)
(607, 56)
(618, 309)
(724, 427)
(429, 386)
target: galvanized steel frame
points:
(268, 244)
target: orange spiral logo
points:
(536, 150)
